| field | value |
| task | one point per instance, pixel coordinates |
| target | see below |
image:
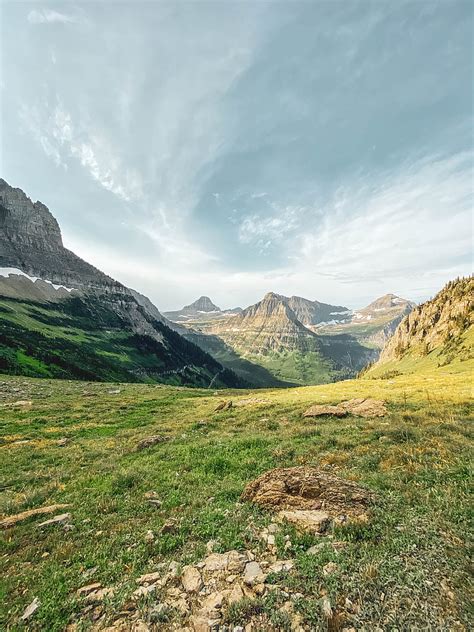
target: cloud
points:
(49, 16)
(61, 140)
(404, 224)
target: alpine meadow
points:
(236, 316)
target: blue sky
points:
(322, 149)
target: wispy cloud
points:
(62, 140)
(49, 16)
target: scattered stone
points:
(322, 410)
(225, 405)
(31, 609)
(97, 596)
(191, 579)
(115, 391)
(273, 528)
(326, 607)
(168, 527)
(148, 442)
(253, 573)
(10, 521)
(149, 578)
(311, 521)
(232, 561)
(305, 488)
(85, 590)
(281, 565)
(329, 568)
(59, 519)
(314, 550)
(149, 536)
(144, 591)
(271, 540)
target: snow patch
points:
(7, 272)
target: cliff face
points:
(35, 266)
(30, 240)
(434, 324)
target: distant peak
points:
(203, 304)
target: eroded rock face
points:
(308, 489)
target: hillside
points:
(437, 333)
(138, 520)
(61, 316)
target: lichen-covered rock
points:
(309, 488)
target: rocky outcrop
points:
(434, 324)
(309, 489)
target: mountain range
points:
(296, 340)
(62, 317)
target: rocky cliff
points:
(35, 266)
(434, 325)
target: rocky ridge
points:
(436, 324)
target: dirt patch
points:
(360, 407)
(306, 489)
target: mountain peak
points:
(203, 304)
(389, 301)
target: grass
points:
(407, 569)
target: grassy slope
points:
(47, 340)
(407, 569)
(456, 355)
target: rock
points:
(253, 573)
(59, 519)
(322, 410)
(97, 596)
(231, 561)
(314, 550)
(281, 566)
(149, 578)
(199, 623)
(148, 442)
(213, 602)
(31, 609)
(191, 579)
(225, 405)
(236, 594)
(329, 568)
(271, 540)
(149, 536)
(273, 528)
(326, 607)
(365, 407)
(114, 391)
(85, 590)
(168, 527)
(307, 520)
(144, 591)
(309, 488)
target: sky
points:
(319, 149)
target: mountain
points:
(437, 333)
(373, 325)
(270, 334)
(62, 317)
(312, 313)
(202, 310)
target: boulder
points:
(309, 489)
